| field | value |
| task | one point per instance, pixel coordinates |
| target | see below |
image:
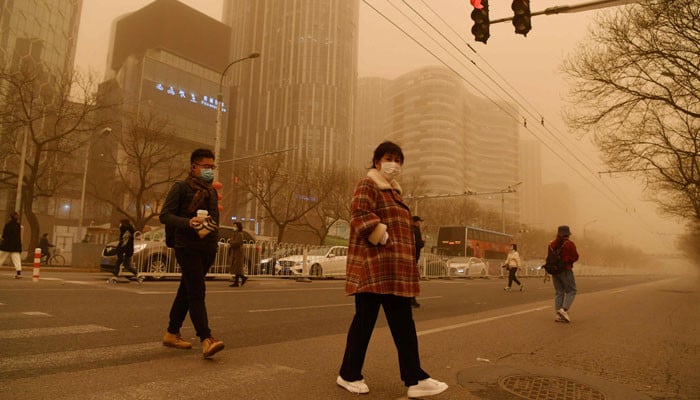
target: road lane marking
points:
(61, 330)
(320, 306)
(479, 321)
(36, 314)
(83, 356)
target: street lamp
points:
(104, 132)
(220, 99)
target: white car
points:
(322, 261)
(466, 266)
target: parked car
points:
(466, 266)
(267, 264)
(153, 258)
(322, 261)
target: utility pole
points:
(592, 5)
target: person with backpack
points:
(561, 256)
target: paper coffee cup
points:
(202, 213)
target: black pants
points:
(126, 260)
(190, 296)
(400, 318)
(511, 276)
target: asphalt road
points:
(73, 336)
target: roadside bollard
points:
(37, 263)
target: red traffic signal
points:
(521, 16)
(480, 16)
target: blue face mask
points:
(207, 175)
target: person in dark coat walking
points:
(125, 248)
(419, 246)
(12, 243)
(195, 240)
(240, 237)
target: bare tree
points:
(53, 114)
(636, 90)
(147, 162)
(285, 195)
(338, 184)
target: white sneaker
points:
(507, 288)
(426, 387)
(562, 313)
(359, 387)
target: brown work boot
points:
(211, 346)
(173, 340)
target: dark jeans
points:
(126, 260)
(194, 265)
(511, 276)
(400, 318)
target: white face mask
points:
(390, 170)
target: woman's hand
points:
(385, 239)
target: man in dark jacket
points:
(12, 243)
(564, 282)
(125, 247)
(44, 245)
(418, 237)
(191, 213)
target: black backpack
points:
(554, 264)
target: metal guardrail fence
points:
(156, 260)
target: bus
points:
(470, 241)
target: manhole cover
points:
(534, 387)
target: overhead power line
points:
(596, 184)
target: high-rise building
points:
(531, 193)
(454, 142)
(300, 95)
(45, 31)
(164, 63)
(370, 120)
(38, 36)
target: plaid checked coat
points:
(377, 207)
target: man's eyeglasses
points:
(207, 166)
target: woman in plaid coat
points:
(382, 272)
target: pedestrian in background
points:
(381, 272)
(236, 253)
(564, 282)
(195, 249)
(12, 243)
(418, 237)
(125, 248)
(512, 263)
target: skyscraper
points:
(300, 94)
(44, 30)
(37, 37)
(453, 141)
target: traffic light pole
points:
(592, 5)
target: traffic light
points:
(480, 16)
(521, 16)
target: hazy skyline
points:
(530, 64)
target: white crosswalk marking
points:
(65, 330)
(65, 358)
